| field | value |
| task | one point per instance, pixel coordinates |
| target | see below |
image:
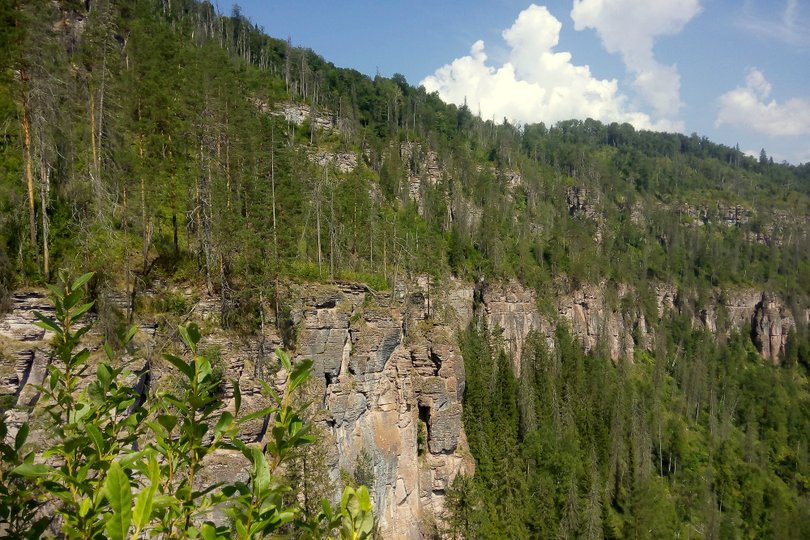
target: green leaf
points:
(80, 357)
(47, 323)
(130, 333)
(285, 360)
(144, 503)
(82, 331)
(225, 421)
(237, 397)
(168, 421)
(241, 530)
(71, 299)
(55, 374)
(186, 369)
(119, 495)
(203, 368)
(84, 506)
(96, 436)
(104, 373)
(56, 292)
(164, 501)
(81, 310)
(208, 532)
(269, 391)
(261, 473)
(300, 373)
(190, 334)
(364, 498)
(21, 437)
(30, 470)
(81, 280)
(258, 414)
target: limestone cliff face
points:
(383, 374)
(593, 319)
(388, 375)
(772, 322)
(384, 371)
(513, 309)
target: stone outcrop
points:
(342, 161)
(386, 371)
(388, 375)
(25, 353)
(580, 201)
(593, 321)
(733, 215)
(583, 203)
(421, 166)
(512, 309)
(383, 374)
(298, 113)
(513, 179)
(771, 324)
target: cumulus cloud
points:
(750, 107)
(629, 27)
(536, 83)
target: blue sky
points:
(736, 71)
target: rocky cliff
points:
(386, 372)
(621, 324)
(388, 382)
(388, 376)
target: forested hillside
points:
(157, 141)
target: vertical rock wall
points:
(388, 373)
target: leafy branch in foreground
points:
(119, 469)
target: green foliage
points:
(20, 514)
(163, 164)
(355, 508)
(209, 187)
(117, 467)
(421, 438)
(363, 474)
(699, 436)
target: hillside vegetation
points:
(158, 140)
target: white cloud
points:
(536, 83)
(629, 27)
(749, 107)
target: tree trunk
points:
(29, 175)
(44, 189)
(332, 241)
(127, 271)
(273, 194)
(206, 223)
(100, 121)
(223, 307)
(147, 227)
(93, 142)
(145, 224)
(318, 221)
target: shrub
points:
(118, 468)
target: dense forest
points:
(696, 440)
(157, 140)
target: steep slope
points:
(205, 170)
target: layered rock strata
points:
(388, 377)
(513, 310)
(388, 381)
